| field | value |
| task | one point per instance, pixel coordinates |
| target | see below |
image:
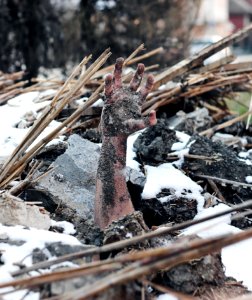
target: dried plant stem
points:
(140, 263)
(130, 60)
(125, 243)
(19, 166)
(152, 264)
(164, 289)
(225, 124)
(197, 59)
(18, 158)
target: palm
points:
(123, 105)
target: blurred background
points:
(59, 33)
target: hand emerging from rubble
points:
(121, 117)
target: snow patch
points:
(98, 103)
(166, 297)
(32, 238)
(183, 140)
(166, 176)
(236, 258)
(101, 4)
(248, 179)
(131, 154)
(215, 227)
(68, 228)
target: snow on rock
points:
(248, 179)
(246, 156)
(183, 140)
(215, 227)
(166, 176)
(131, 154)
(68, 228)
(24, 241)
(236, 258)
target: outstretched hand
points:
(123, 104)
(121, 116)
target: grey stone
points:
(191, 123)
(72, 183)
(135, 177)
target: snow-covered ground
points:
(14, 119)
(32, 238)
(236, 258)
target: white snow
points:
(98, 103)
(236, 258)
(81, 100)
(32, 238)
(167, 176)
(183, 140)
(101, 4)
(166, 297)
(248, 179)
(246, 157)
(16, 110)
(213, 227)
(67, 226)
(245, 154)
(21, 295)
(131, 154)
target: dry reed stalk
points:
(137, 264)
(228, 123)
(216, 64)
(166, 290)
(197, 59)
(151, 264)
(17, 161)
(125, 243)
(49, 114)
(130, 60)
(195, 87)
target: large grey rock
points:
(72, 183)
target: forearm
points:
(121, 116)
(112, 197)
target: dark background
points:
(54, 33)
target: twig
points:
(225, 181)
(197, 59)
(16, 160)
(225, 124)
(150, 265)
(125, 243)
